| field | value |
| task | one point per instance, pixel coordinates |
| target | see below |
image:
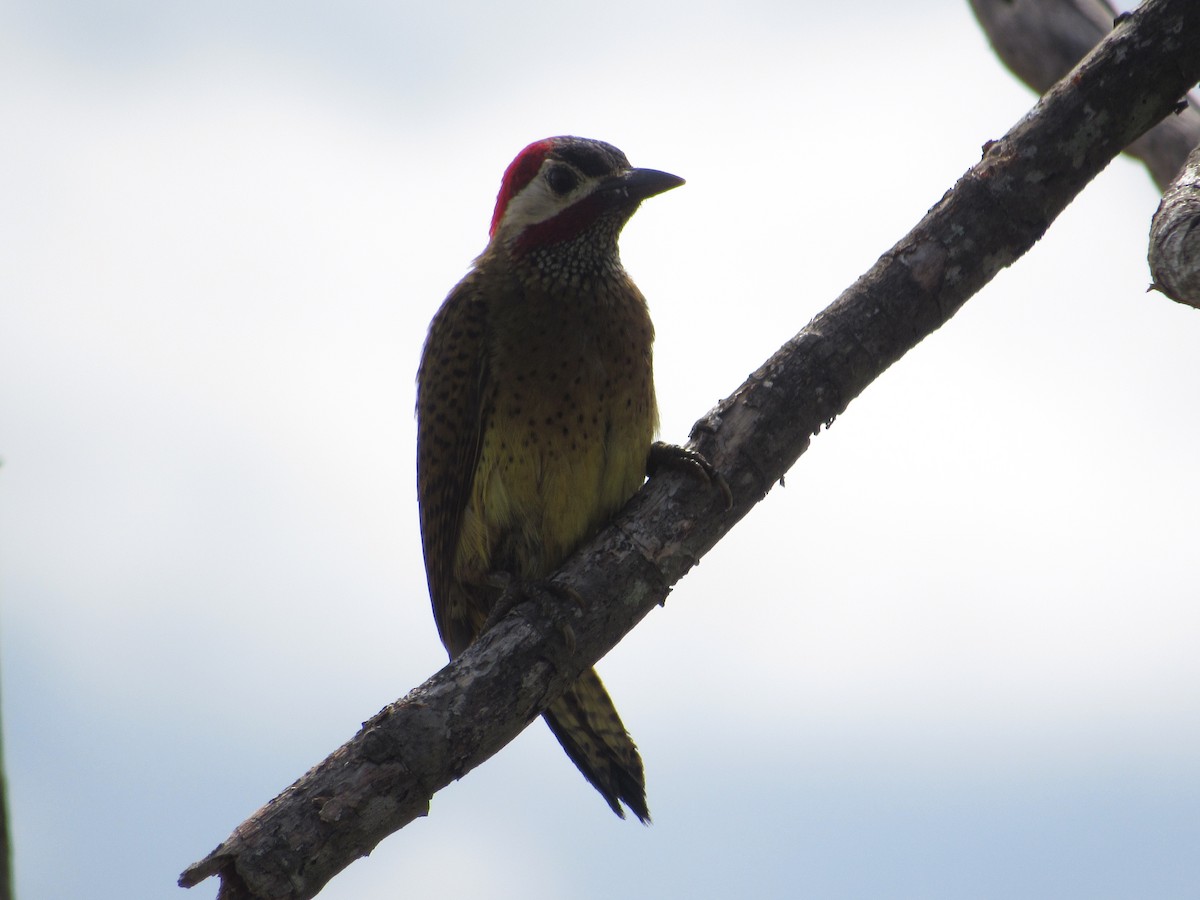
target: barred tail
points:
(587, 725)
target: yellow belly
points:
(540, 490)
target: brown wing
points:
(450, 413)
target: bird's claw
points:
(672, 456)
(541, 593)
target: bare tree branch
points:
(1041, 40)
(384, 777)
(1175, 237)
(6, 882)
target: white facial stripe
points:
(536, 202)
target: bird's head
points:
(560, 189)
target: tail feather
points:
(587, 725)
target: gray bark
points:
(1175, 237)
(1041, 40)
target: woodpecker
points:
(536, 413)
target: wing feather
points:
(450, 423)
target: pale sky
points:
(955, 657)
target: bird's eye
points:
(562, 180)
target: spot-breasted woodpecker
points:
(536, 413)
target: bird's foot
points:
(547, 596)
(672, 456)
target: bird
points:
(536, 414)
